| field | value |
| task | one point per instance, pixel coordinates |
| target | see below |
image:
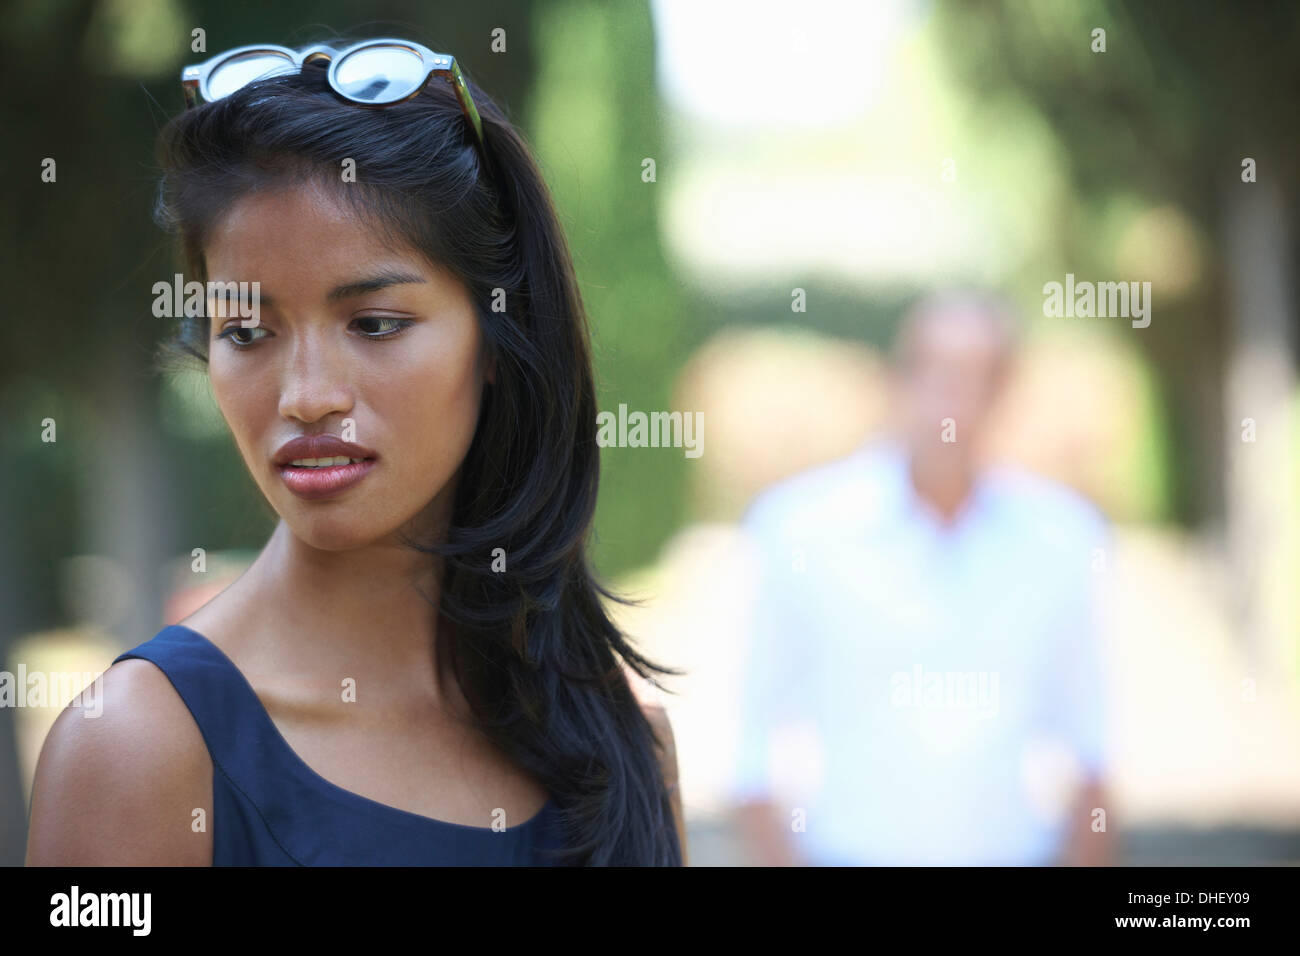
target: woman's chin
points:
(333, 533)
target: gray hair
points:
(996, 312)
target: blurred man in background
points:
(924, 641)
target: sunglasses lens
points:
(245, 68)
(380, 74)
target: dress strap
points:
(223, 704)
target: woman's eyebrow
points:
(372, 284)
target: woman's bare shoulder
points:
(120, 776)
(652, 705)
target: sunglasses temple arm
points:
(467, 104)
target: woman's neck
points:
(369, 613)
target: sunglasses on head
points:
(370, 73)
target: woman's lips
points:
(313, 483)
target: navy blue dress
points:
(270, 809)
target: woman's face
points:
(366, 343)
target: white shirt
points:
(940, 674)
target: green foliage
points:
(596, 119)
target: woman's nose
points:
(315, 382)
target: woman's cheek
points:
(227, 397)
(244, 410)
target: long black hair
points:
(532, 646)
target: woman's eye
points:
(372, 327)
(235, 330)
(382, 331)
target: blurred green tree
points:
(1167, 116)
